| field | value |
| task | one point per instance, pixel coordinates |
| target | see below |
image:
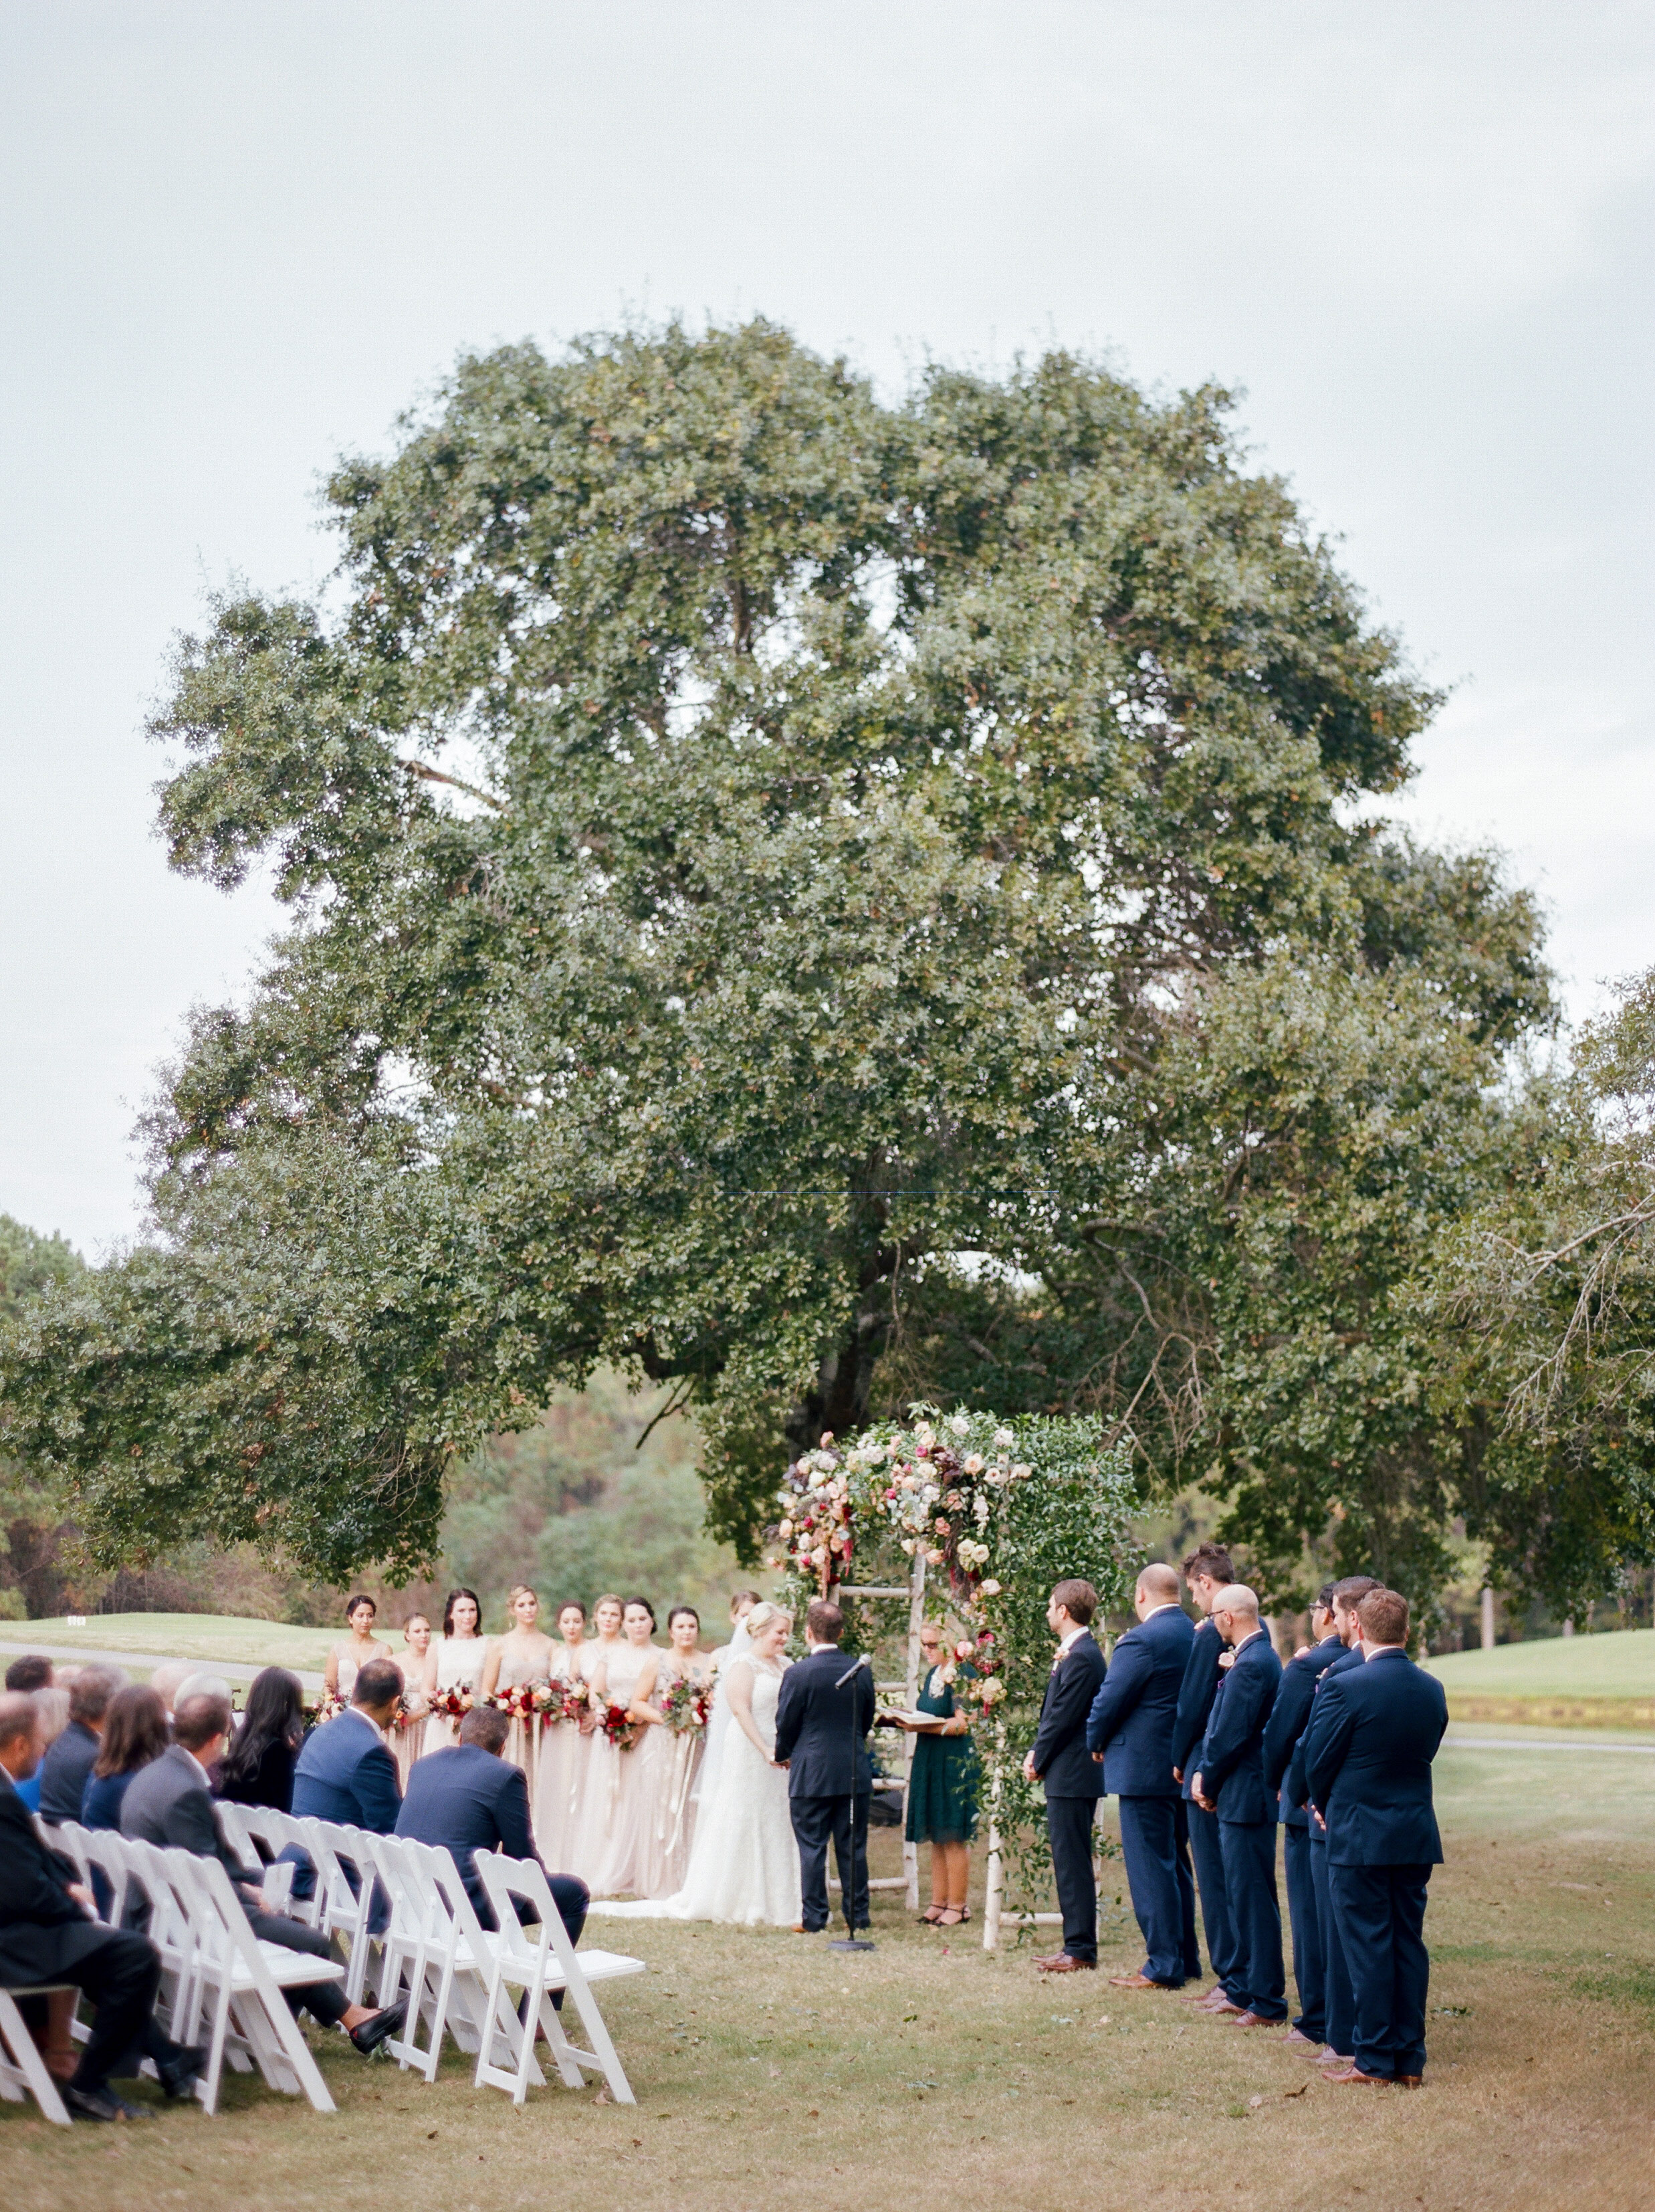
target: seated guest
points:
(67, 1766)
(168, 1803)
(52, 1710)
(345, 1771)
(47, 1934)
(1373, 1733)
(31, 1672)
(467, 1798)
(168, 1679)
(258, 1769)
(1229, 1782)
(204, 1683)
(135, 1731)
(1129, 1732)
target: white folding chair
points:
(341, 1910)
(239, 1984)
(22, 2070)
(442, 1959)
(276, 1830)
(537, 1964)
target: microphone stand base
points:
(851, 1943)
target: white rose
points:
(974, 1463)
(1021, 1471)
(907, 1545)
(990, 1589)
(960, 1425)
(1003, 1440)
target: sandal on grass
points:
(929, 1918)
(952, 1918)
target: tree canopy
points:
(787, 890)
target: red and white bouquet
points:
(518, 1700)
(814, 1531)
(412, 1710)
(620, 1728)
(452, 1705)
(328, 1707)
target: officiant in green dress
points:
(944, 1780)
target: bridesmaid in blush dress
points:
(565, 1746)
(674, 1804)
(586, 1849)
(632, 1861)
(347, 1658)
(408, 1735)
(454, 1664)
(521, 1659)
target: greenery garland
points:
(1001, 1510)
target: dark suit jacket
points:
(1296, 1782)
(63, 1772)
(1373, 1735)
(1288, 1719)
(1195, 1698)
(823, 1731)
(1132, 1715)
(166, 1804)
(345, 1773)
(42, 1928)
(467, 1799)
(1061, 1758)
(1231, 1760)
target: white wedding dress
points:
(744, 1863)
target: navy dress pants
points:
(1187, 1892)
(1208, 1856)
(845, 1820)
(1149, 1841)
(1338, 1999)
(1296, 1848)
(1069, 1822)
(1257, 1978)
(1381, 1915)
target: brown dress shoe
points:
(1356, 2073)
(1253, 2019)
(1296, 2041)
(1203, 1996)
(1136, 1982)
(1063, 1963)
(1410, 2081)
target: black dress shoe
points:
(183, 2069)
(101, 2104)
(373, 2032)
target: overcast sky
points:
(236, 240)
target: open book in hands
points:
(902, 1717)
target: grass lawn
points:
(769, 2069)
(204, 1636)
(1607, 1680)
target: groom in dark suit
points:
(1073, 1781)
(1129, 1731)
(821, 1739)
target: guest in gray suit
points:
(167, 1803)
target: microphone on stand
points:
(851, 1942)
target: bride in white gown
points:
(744, 1863)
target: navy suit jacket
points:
(1195, 1698)
(469, 1800)
(345, 1773)
(1288, 1718)
(1062, 1759)
(1231, 1760)
(823, 1732)
(1133, 1715)
(1297, 1785)
(64, 1772)
(1372, 1736)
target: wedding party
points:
(827, 1150)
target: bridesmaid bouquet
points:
(520, 1700)
(328, 1707)
(686, 1706)
(618, 1726)
(451, 1704)
(565, 1701)
(411, 1710)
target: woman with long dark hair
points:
(453, 1668)
(257, 1768)
(135, 1732)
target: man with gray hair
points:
(1229, 1782)
(69, 1761)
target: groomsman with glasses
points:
(1287, 1721)
(1207, 1570)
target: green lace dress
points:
(943, 1784)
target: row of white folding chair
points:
(460, 1977)
(222, 1986)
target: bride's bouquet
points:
(620, 1728)
(686, 1707)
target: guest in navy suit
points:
(67, 1767)
(346, 1774)
(1230, 1782)
(1207, 1570)
(1375, 1735)
(1073, 1781)
(1129, 1731)
(467, 1799)
(1289, 1717)
(1339, 2002)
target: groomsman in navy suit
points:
(1060, 1759)
(1230, 1782)
(1288, 1720)
(1208, 1569)
(1373, 1736)
(1129, 1732)
(1338, 2001)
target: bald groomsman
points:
(1375, 1733)
(1229, 1782)
(1129, 1732)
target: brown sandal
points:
(952, 1918)
(929, 1918)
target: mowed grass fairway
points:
(769, 2069)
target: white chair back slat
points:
(538, 1966)
(343, 1911)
